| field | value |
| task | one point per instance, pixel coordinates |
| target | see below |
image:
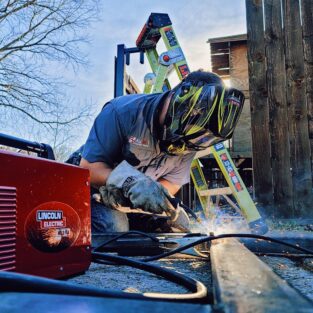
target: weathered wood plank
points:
(307, 24)
(239, 78)
(259, 104)
(220, 61)
(243, 283)
(276, 85)
(297, 110)
(238, 64)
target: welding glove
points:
(112, 197)
(142, 192)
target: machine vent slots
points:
(7, 228)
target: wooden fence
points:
(280, 56)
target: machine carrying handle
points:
(43, 150)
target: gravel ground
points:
(129, 279)
(298, 274)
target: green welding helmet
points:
(200, 114)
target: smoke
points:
(222, 220)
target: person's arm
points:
(103, 146)
(171, 188)
(99, 172)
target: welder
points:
(140, 147)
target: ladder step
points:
(215, 192)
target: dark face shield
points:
(201, 116)
(202, 142)
(184, 144)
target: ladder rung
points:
(215, 192)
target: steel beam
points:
(243, 283)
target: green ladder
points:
(160, 26)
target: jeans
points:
(104, 219)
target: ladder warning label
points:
(169, 33)
(231, 172)
(184, 70)
(219, 146)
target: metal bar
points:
(119, 71)
(43, 150)
(243, 283)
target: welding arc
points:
(211, 238)
(16, 282)
(199, 291)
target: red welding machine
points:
(44, 216)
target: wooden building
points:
(229, 60)
(130, 85)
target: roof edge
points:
(240, 37)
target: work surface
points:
(298, 272)
(235, 278)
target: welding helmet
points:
(201, 113)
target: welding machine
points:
(44, 212)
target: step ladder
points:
(159, 26)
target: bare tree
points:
(34, 34)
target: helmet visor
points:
(202, 141)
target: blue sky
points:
(120, 21)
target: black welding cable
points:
(198, 290)
(210, 238)
(132, 232)
(15, 282)
(284, 255)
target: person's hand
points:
(142, 192)
(112, 197)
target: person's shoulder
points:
(129, 100)
(131, 104)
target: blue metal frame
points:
(122, 57)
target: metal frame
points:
(43, 150)
(122, 57)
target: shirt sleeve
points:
(180, 174)
(105, 140)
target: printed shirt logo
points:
(138, 142)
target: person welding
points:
(140, 147)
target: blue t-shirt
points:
(125, 130)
